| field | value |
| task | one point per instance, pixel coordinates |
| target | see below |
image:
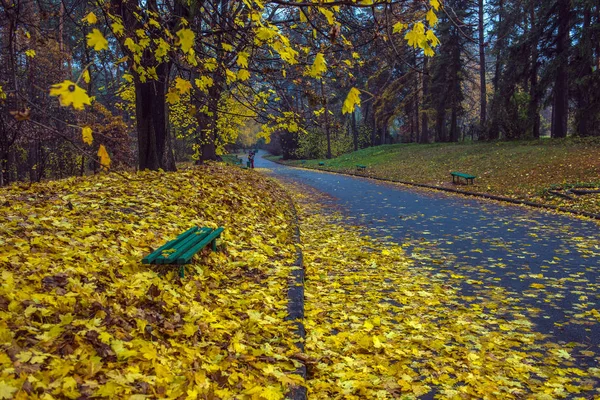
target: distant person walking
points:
(251, 158)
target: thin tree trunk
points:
(327, 133)
(482, 69)
(354, 131)
(499, 45)
(533, 110)
(424, 137)
(561, 83)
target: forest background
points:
(142, 85)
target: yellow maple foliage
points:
(104, 157)
(186, 39)
(84, 317)
(97, 40)
(90, 18)
(318, 67)
(352, 100)
(69, 94)
(86, 135)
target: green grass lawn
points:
(522, 170)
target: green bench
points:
(180, 251)
(321, 163)
(359, 166)
(457, 175)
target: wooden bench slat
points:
(184, 245)
(150, 258)
(187, 256)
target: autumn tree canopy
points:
(220, 62)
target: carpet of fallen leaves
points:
(539, 171)
(81, 317)
(381, 326)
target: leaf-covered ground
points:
(81, 317)
(529, 170)
(382, 324)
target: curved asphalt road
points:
(489, 243)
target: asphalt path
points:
(547, 263)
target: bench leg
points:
(214, 245)
(181, 271)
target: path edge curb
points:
(295, 296)
(451, 190)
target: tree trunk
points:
(482, 83)
(327, 133)
(534, 97)
(373, 128)
(424, 137)
(152, 122)
(354, 131)
(585, 113)
(561, 83)
(4, 177)
(440, 126)
(499, 45)
(454, 125)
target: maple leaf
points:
(117, 28)
(186, 39)
(319, 66)
(204, 82)
(265, 33)
(435, 4)
(6, 391)
(352, 100)
(428, 51)
(162, 49)
(271, 393)
(96, 40)
(104, 157)
(433, 40)
(30, 53)
(86, 76)
(86, 135)
(90, 19)
(416, 35)
(182, 85)
(243, 74)
(328, 15)
(398, 27)
(432, 19)
(172, 97)
(69, 94)
(242, 59)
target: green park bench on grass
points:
(361, 167)
(181, 250)
(457, 175)
(321, 163)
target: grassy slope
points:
(515, 169)
(80, 316)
